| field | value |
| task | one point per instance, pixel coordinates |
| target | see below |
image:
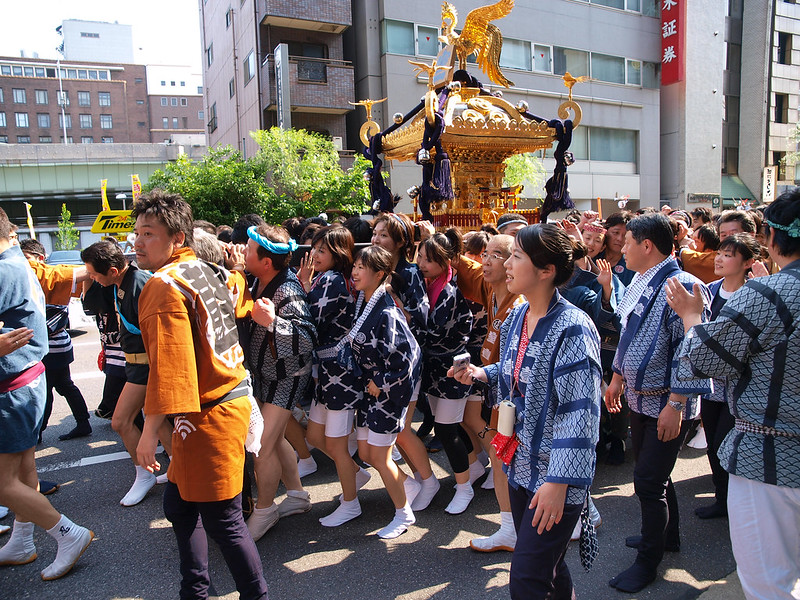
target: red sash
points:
(21, 380)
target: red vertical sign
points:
(673, 28)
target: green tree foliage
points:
(220, 187)
(303, 175)
(295, 173)
(67, 236)
(528, 170)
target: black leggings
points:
(456, 445)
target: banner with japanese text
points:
(136, 187)
(673, 40)
(103, 194)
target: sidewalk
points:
(724, 589)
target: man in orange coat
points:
(187, 320)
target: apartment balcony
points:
(315, 85)
(329, 16)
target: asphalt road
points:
(134, 555)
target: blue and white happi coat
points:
(647, 354)
(755, 343)
(386, 352)
(332, 307)
(557, 398)
(409, 285)
(447, 333)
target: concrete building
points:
(95, 40)
(239, 67)
(103, 102)
(175, 97)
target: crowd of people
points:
(534, 350)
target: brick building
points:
(239, 67)
(103, 102)
(175, 97)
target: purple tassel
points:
(441, 175)
(557, 197)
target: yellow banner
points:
(30, 221)
(103, 186)
(136, 187)
(113, 222)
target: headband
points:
(270, 246)
(507, 223)
(405, 227)
(594, 227)
(792, 230)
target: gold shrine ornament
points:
(369, 128)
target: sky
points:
(165, 32)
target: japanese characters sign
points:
(673, 27)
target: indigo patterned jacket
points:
(332, 309)
(557, 399)
(446, 335)
(650, 364)
(409, 285)
(755, 342)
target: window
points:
(83, 74)
(84, 99)
(70, 73)
(781, 108)
(209, 56)
(165, 122)
(39, 71)
(516, 54)
(23, 139)
(45, 139)
(106, 122)
(183, 84)
(163, 83)
(92, 74)
(231, 88)
(137, 80)
(141, 124)
(184, 102)
(541, 59)
(85, 121)
(66, 121)
(43, 120)
(228, 18)
(2, 99)
(28, 71)
(21, 119)
(3, 139)
(87, 139)
(398, 37)
(212, 121)
(200, 115)
(62, 98)
(634, 72)
(2, 119)
(611, 3)
(107, 140)
(428, 41)
(172, 83)
(173, 101)
(19, 96)
(618, 145)
(174, 122)
(5, 70)
(608, 68)
(104, 98)
(784, 48)
(185, 122)
(249, 67)
(69, 139)
(200, 89)
(41, 96)
(17, 71)
(140, 102)
(574, 61)
(164, 101)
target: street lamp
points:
(122, 197)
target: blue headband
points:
(405, 227)
(792, 230)
(512, 222)
(270, 246)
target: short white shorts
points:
(446, 411)
(375, 439)
(474, 398)
(338, 423)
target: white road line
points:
(79, 344)
(87, 461)
(89, 375)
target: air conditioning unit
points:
(338, 143)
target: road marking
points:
(87, 461)
(89, 375)
(79, 344)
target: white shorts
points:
(474, 398)
(446, 411)
(338, 423)
(375, 439)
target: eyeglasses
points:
(493, 256)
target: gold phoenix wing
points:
(479, 36)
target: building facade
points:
(96, 40)
(239, 41)
(102, 102)
(175, 98)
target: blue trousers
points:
(538, 569)
(222, 521)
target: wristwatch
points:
(678, 406)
